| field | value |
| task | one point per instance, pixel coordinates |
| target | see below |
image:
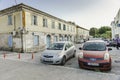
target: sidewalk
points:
(26, 57)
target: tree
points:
(104, 32)
(109, 34)
(93, 31)
(104, 29)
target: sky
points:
(85, 13)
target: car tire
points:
(80, 66)
(109, 69)
(63, 61)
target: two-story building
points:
(82, 34)
(116, 26)
(26, 29)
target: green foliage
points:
(93, 31)
(104, 29)
(104, 32)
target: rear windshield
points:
(94, 46)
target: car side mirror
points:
(109, 49)
(65, 48)
(80, 48)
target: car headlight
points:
(81, 55)
(106, 56)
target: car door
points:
(71, 49)
(67, 50)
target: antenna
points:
(15, 2)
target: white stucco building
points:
(116, 26)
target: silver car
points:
(58, 53)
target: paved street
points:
(17, 70)
(27, 68)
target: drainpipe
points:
(23, 26)
(13, 31)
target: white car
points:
(58, 53)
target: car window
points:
(94, 46)
(70, 45)
(67, 46)
(56, 46)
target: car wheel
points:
(109, 69)
(80, 66)
(63, 60)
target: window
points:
(9, 19)
(64, 27)
(36, 40)
(53, 24)
(34, 20)
(55, 38)
(44, 22)
(71, 28)
(59, 26)
(67, 28)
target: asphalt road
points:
(20, 70)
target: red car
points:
(94, 55)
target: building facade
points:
(82, 34)
(116, 26)
(26, 29)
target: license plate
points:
(46, 59)
(93, 64)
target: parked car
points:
(112, 43)
(95, 55)
(79, 41)
(107, 42)
(58, 53)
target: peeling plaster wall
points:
(4, 42)
(17, 44)
(28, 41)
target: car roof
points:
(62, 42)
(95, 41)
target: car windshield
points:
(56, 46)
(94, 46)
